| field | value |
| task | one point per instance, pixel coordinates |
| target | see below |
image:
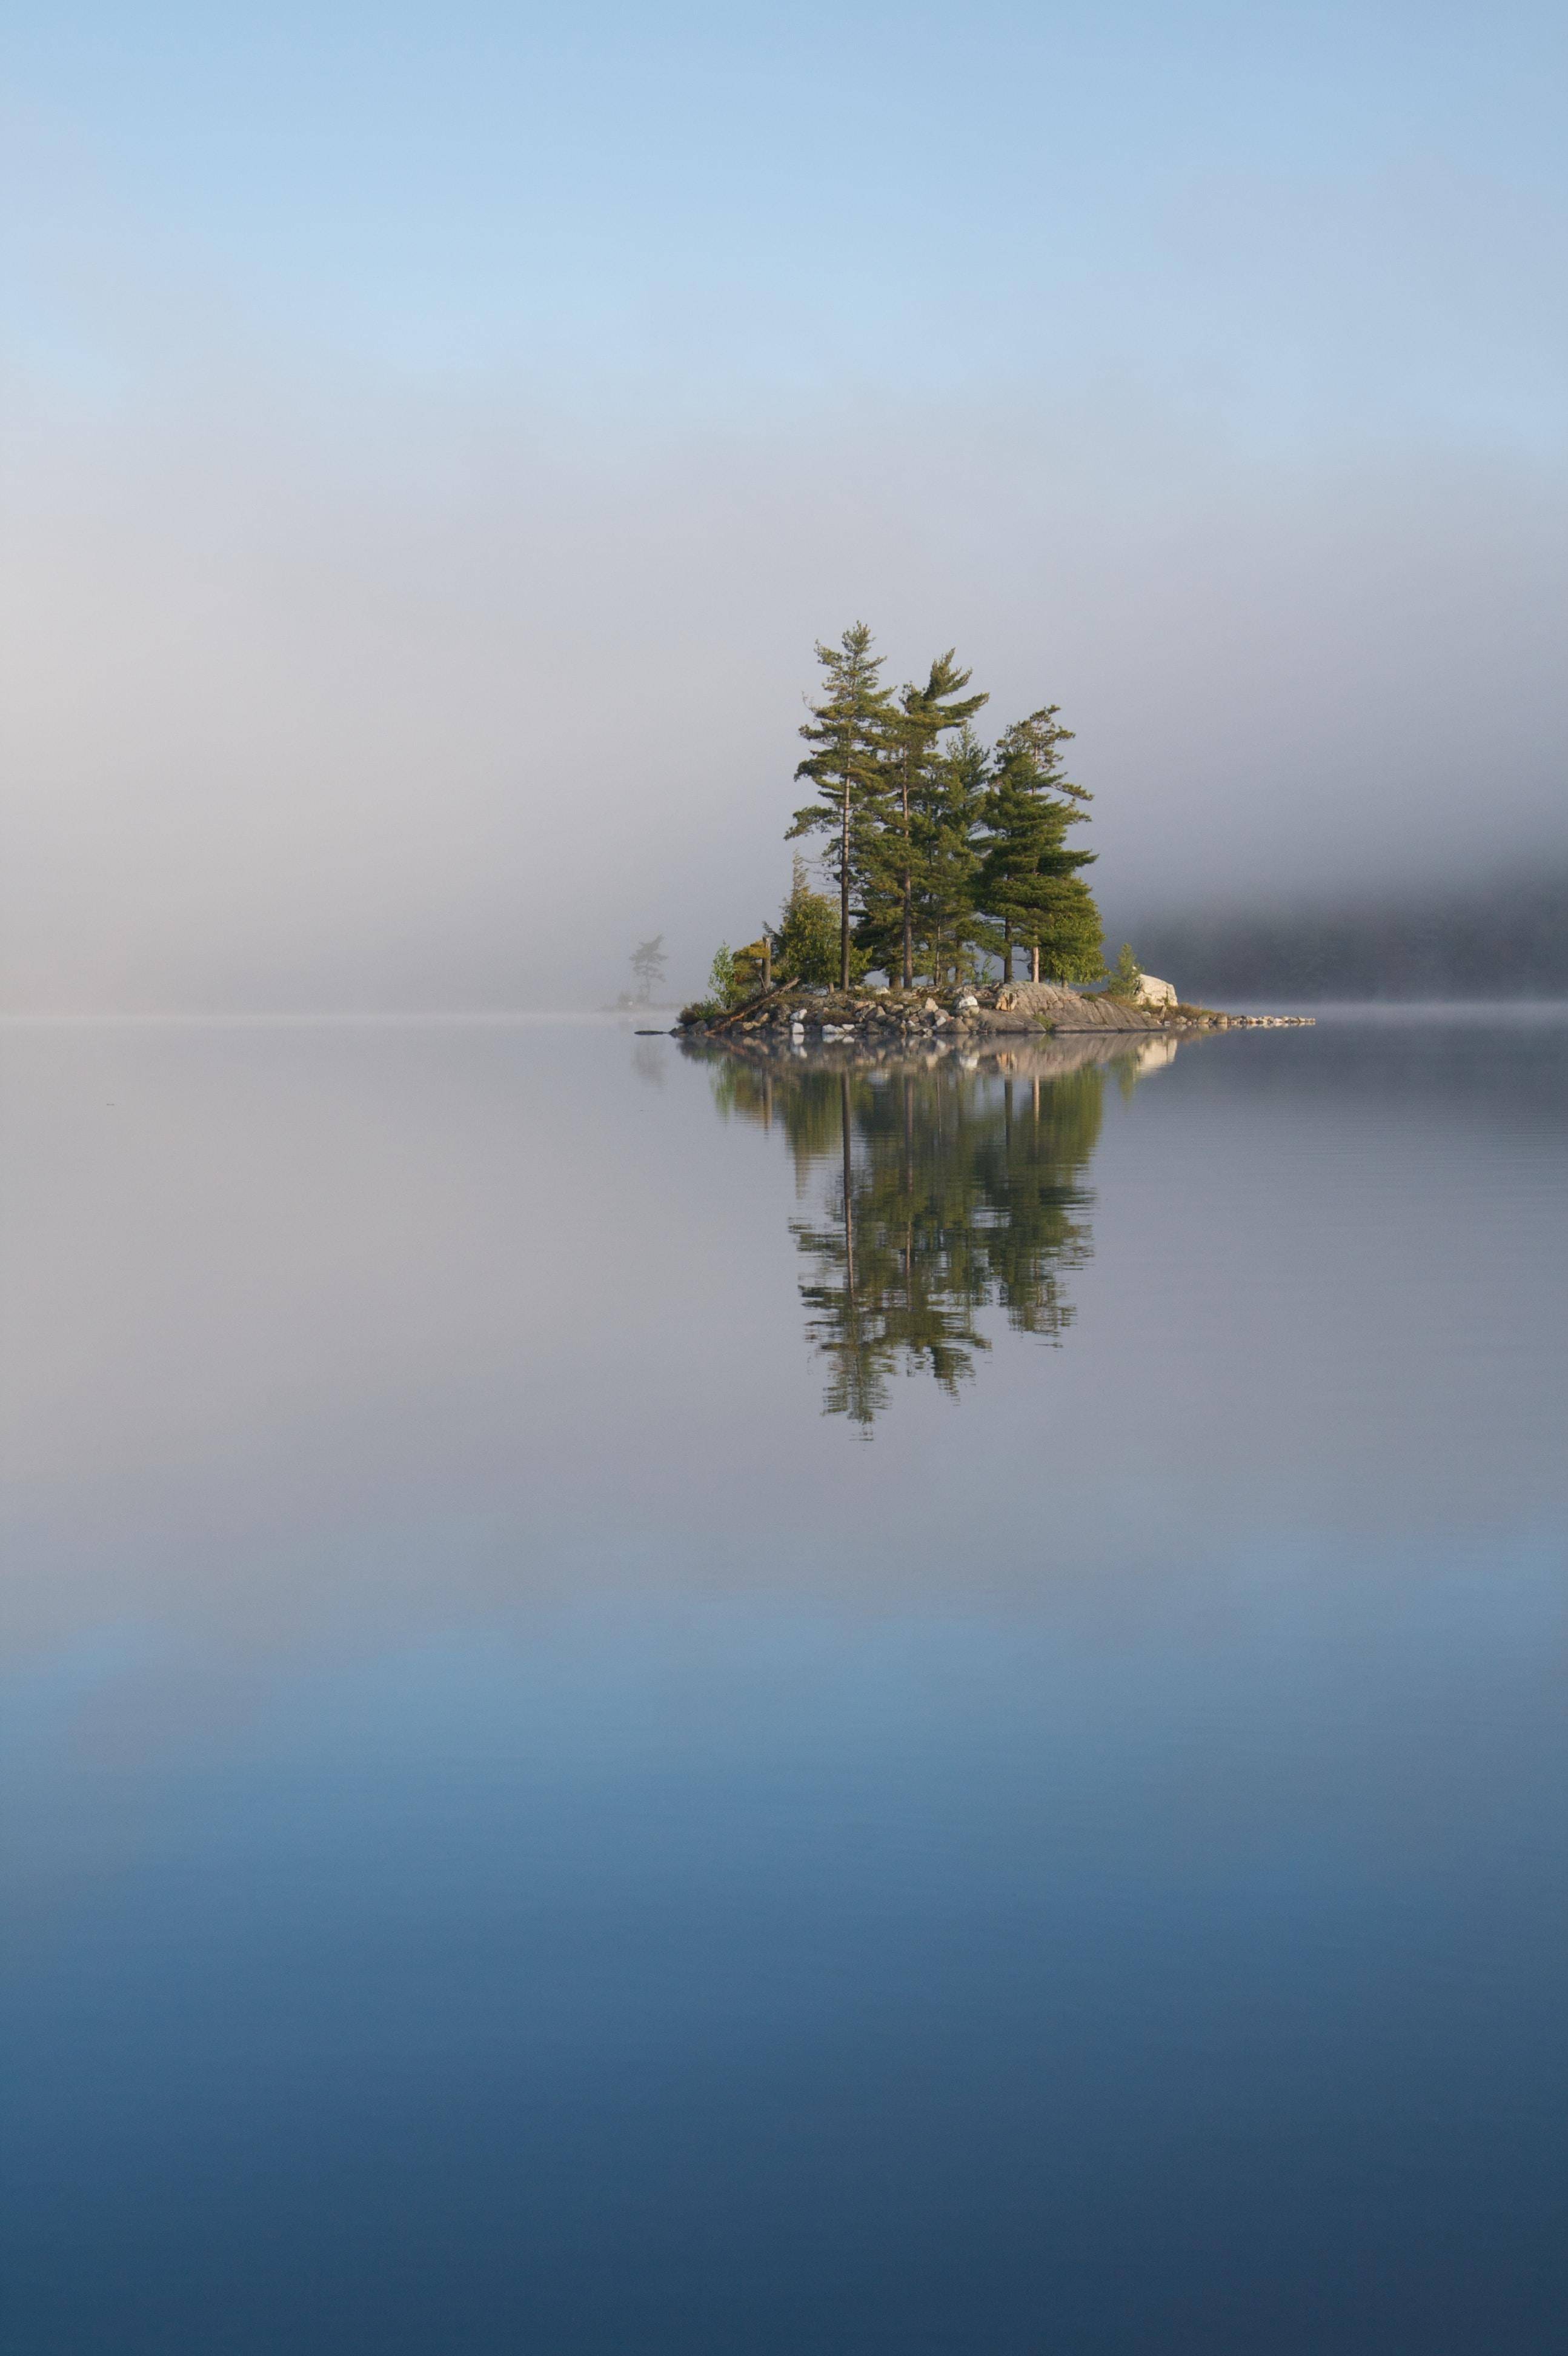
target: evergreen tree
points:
(805, 938)
(923, 716)
(1127, 974)
(1028, 880)
(948, 813)
(1066, 937)
(648, 962)
(847, 765)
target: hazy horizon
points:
(436, 442)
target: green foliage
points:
(1029, 881)
(727, 986)
(1127, 975)
(944, 852)
(1066, 933)
(806, 944)
(946, 801)
(751, 967)
(909, 870)
(847, 732)
(946, 921)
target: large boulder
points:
(1028, 1003)
(1154, 993)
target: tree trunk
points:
(1034, 959)
(907, 977)
(844, 892)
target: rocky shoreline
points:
(789, 1016)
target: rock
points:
(1020, 1004)
(1155, 992)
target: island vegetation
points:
(941, 852)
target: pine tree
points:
(805, 938)
(648, 963)
(847, 765)
(923, 716)
(1067, 938)
(1127, 975)
(945, 820)
(1028, 880)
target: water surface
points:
(656, 1704)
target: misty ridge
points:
(1501, 936)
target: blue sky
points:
(1285, 205)
(1141, 282)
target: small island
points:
(949, 861)
(887, 1020)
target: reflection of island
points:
(953, 1183)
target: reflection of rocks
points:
(1023, 1055)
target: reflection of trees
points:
(948, 1191)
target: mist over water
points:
(278, 739)
(1483, 937)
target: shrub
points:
(1127, 975)
(727, 984)
(805, 938)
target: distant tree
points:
(847, 765)
(648, 962)
(1127, 974)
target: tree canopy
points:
(943, 851)
(849, 765)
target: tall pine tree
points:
(923, 716)
(949, 812)
(847, 765)
(1028, 880)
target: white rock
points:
(1155, 992)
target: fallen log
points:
(764, 998)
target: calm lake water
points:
(657, 1705)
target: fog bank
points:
(1488, 937)
(433, 447)
(449, 710)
